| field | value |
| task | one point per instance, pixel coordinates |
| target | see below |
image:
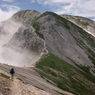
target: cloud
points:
(84, 8)
(8, 0)
(4, 15)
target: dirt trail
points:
(33, 79)
(19, 88)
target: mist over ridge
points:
(13, 54)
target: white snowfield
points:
(89, 32)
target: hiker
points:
(12, 73)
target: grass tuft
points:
(5, 76)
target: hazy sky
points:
(85, 8)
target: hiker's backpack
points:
(12, 71)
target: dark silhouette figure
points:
(12, 73)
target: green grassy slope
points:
(66, 76)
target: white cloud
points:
(84, 8)
(4, 15)
(8, 0)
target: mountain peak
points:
(26, 15)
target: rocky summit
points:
(60, 47)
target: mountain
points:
(60, 48)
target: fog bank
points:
(13, 55)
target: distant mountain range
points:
(85, 23)
(62, 47)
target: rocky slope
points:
(66, 40)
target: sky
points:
(85, 8)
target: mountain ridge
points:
(48, 24)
